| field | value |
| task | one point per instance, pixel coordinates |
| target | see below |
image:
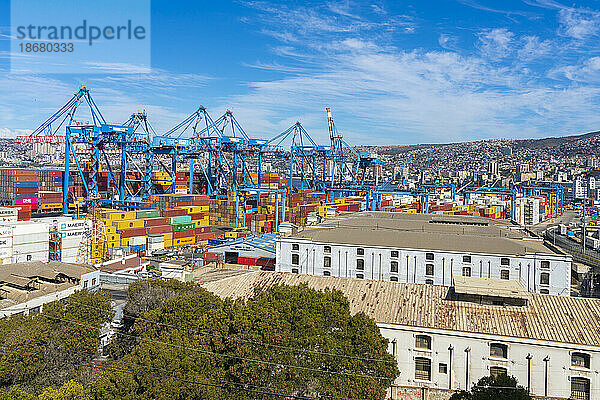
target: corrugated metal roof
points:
(546, 317)
(265, 241)
(489, 287)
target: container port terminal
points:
(484, 230)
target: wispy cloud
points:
(579, 23)
(496, 43)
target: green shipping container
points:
(183, 219)
(147, 214)
(183, 227)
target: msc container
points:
(183, 227)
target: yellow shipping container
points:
(50, 206)
(168, 235)
(113, 237)
(136, 223)
(121, 216)
(110, 245)
(168, 243)
(201, 222)
(184, 241)
(125, 242)
(110, 229)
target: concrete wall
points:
(412, 265)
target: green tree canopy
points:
(501, 387)
(287, 339)
(52, 347)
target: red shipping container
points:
(155, 230)
(174, 212)
(205, 236)
(125, 233)
(203, 229)
(183, 234)
(156, 221)
(197, 216)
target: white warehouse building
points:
(447, 338)
(428, 249)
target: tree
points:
(286, 339)
(500, 387)
(50, 348)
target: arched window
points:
(394, 266)
(544, 278)
(429, 269)
(327, 262)
(466, 271)
(360, 264)
(295, 259)
(505, 274)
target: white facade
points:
(539, 273)
(457, 360)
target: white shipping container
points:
(156, 239)
(39, 256)
(71, 243)
(10, 218)
(6, 231)
(8, 211)
(137, 240)
(69, 253)
(26, 248)
(6, 242)
(6, 253)
(7, 260)
(28, 228)
(155, 246)
(73, 234)
(31, 238)
(74, 225)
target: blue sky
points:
(395, 72)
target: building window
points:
(327, 249)
(423, 342)
(360, 264)
(394, 279)
(394, 253)
(394, 266)
(295, 247)
(29, 257)
(295, 259)
(423, 369)
(360, 252)
(429, 281)
(498, 350)
(466, 271)
(505, 261)
(429, 269)
(505, 274)
(580, 360)
(544, 291)
(443, 368)
(326, 262)
(545, 264)
(326, 273)
(580, 388)
(545, 278)
(295, 270)
(360, 276)
(467, 259)
(497, 371)
(429, 256)
(93, 281)
(85, 284)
